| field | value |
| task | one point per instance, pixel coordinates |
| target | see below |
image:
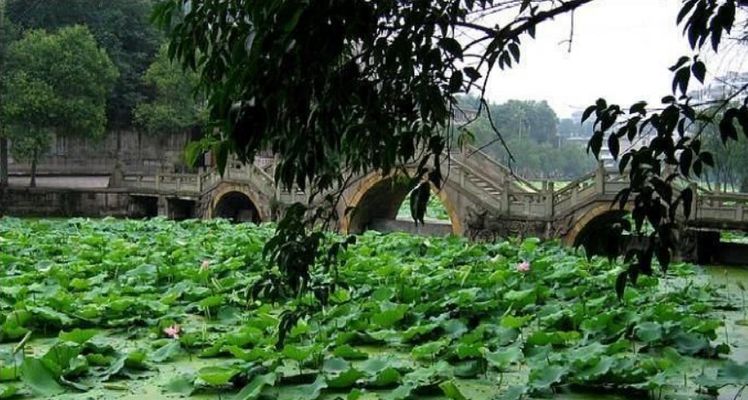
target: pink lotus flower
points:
(523, 267)
(205, 265)
(173, 331)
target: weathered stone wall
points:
(484, 226)
(94, 203)
(43, 202)
(394, 225)
(139, 153)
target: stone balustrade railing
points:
(180, 183)
(498, 192)
(476, 159)
(722, 207)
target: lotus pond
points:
(157, 310)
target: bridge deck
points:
(480, 179)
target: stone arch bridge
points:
(483, 200)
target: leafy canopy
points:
(122, 27)
(337, 89)
(58, 82)
(345, 85)
(174, 107)
(664, 173)
(55, 83)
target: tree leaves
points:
(699, 70)
(38, 101)
(472, 73)
(621, 284)
(681, 79)
(419, 199)
(122, 30)
(727, 128)
(613, 146)
(176, 106)
(672, 144)
(452, 47)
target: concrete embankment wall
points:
(137, 153)
(392, 225)
(43, 202)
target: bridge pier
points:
(163, 207)
(707, 247)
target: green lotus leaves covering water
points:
(157, 309)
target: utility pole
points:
(3, 138)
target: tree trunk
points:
(744, 185)
(3, 140)
(3, 162)
(33, 170)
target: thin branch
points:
(570, 40)
(500, 136)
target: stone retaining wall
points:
(43, 202)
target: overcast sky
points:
(621, 51)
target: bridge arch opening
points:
(236, 207)
(595, 227)
(384, 205)
(143, 207)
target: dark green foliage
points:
(663, 174)
(368, 89)
(730, 171)
(532, 141)
(409, 316)
(175, 107)
(532, 119)
(419, 199)
(54, 84)
(306, 264)
(337, 89)
(121, 27)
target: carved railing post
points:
(739, 211)
(694, 204)
(549, 208)
(574, 196)
(505, 198)
(600, 177)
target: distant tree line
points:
(85, 68)
(730, 171)
(133, 84)
(534, 136)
